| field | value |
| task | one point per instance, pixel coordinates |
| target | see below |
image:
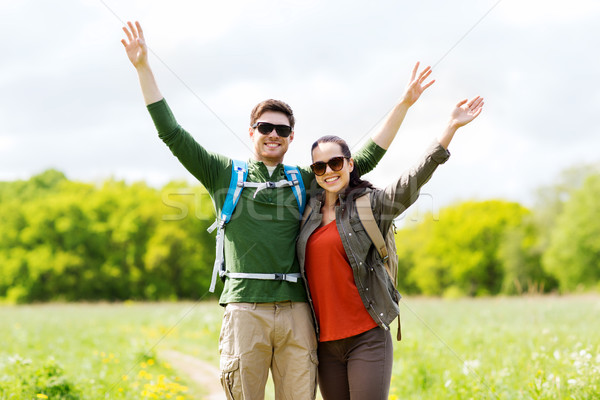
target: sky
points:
(71, 100)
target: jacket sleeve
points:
(397, 197)
(202, 164)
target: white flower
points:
(470, 365)
(557, 354)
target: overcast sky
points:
(71, 101)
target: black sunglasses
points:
(265, 128)
(335, 163)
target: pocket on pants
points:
(230, 377)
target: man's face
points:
(270, 148)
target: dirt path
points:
(203, 373)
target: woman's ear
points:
(351, 164)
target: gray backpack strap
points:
(367, 219)
(365, 214)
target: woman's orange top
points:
(339, 309)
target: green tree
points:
(459, 252)
(64, 240)
(573, 255)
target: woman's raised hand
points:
(465, 112)
(416, 86)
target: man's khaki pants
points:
(256, 337)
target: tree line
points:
(62, 240)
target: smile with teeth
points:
(332, 179)
(272, 145)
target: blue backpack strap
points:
(239, 173)
(292, 173)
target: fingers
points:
(133, 30)
(140, 31)
(475, 101)
(424, 74)
(129, 37)
(429, 84)
(414, 72)
(461, 103)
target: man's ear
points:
(291, 136)
(251, 132)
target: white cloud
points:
(72, 99)
(534, 12)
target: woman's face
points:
(332, 181)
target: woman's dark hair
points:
(355, 181)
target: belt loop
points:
(291, 304)
(254, 306)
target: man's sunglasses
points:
(335, 163)
(265, 128)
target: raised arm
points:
(137, 52)
(462, 114)
(398, 196)
(386, 132)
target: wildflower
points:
(470, 365)
(41, 396)
(150, 362)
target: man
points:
(267, 323)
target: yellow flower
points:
(150, 362)
(41, 396)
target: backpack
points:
(239, 174)
(385, 247)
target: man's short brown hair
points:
(272, 105)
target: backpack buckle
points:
(270, 185)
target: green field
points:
(496, 348)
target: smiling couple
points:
(270, 323)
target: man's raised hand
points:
(135, 45)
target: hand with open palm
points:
(135, 45)
(416, 86)
(137, 52)
(466, 112)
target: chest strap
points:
(293, 277)
(237, 183)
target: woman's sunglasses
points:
(335, 163)
(265, 128)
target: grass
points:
(496, 348)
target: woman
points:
(352, 296)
